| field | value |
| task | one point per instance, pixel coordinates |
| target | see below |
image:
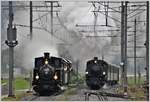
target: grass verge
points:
(21, 83)
(136, 93)
(17, 97)
(131, 80)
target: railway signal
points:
(11, 42)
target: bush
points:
(77, 79)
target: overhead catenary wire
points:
(111, 17)
(51, 34)
(110, 7)
(136, 14)
(134, 10)
(45, 29)
(40, 17)
(80, 39)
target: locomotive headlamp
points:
(62, 87)
(46, 62)
(37, 77)
(104, 73)
(65, 69)
(95, 61)
(86, 72)
(55, 77)
(70, 69)
(121, 64)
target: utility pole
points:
(135, 51)
(31, 23)
(139, 75)
(30, 88)
(147, 48)
(122, 43)
(125, 48)
(106, 12)
(52, 10)
(102, 54)
(95, 22)
(31, 37)
(77, 66)
(51, 2)
(11, 42)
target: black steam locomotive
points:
(50, 74)
(99, 72)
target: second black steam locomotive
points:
(99, 72)
(50, 74)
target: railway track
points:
(99, 97)
(81, 94)
(105, 94)
(36, 97)
(33, 98)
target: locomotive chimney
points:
(46, 55)
(95, 58)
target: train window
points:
(57, 63)
(38, 62)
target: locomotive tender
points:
(98, 72)
(50, 74)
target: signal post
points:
(11, 42)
